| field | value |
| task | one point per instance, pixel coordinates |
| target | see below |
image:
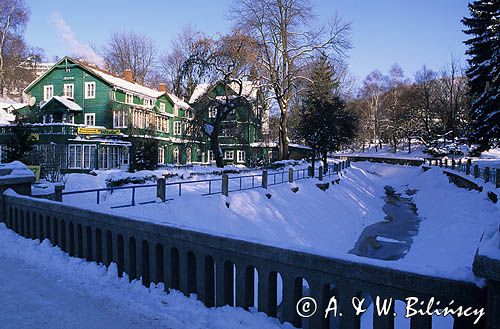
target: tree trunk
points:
(409, 144)
(313, 160)
(214, 147)
(325, 162)
(283, 137)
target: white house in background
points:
(7, 109)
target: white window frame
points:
(177, 128)
(77, 149)
(90, 116)
(176, 155)
(161, 155)
(229, 155)
(210, 156)
(71, 87)
(127, 96)
(212, 112)
(240, 156)
(162, 107)
(120, 119)
(90, 90)
(46, 94)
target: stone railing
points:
(223, 271)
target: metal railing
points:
(213, 186)
(487, 174)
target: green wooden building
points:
(88, 118)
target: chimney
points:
(127, 75)
(162, 87)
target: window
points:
(114, 157)
(120, 119)
(90, 119)
(48, 92)
(103, 152)
(162, 107)
(148, 102)
(161, 155)
(240, 156)
(188, 155)
(69, 90)
(89, 90)
(177, 128)
(89, 156)
(212, 112)
(211, 156)
(229, 155)
(176, 155)
(162, 124)
(129, 98)
(74, 156)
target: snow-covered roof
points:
(64, 101)
(179, 103)
(124, 84)
(6, 117)
(199, 91)
(249, 91)
(6, 103)
(109, 78)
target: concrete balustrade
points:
(221, 271)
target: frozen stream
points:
(392, 238)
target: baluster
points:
(320, 292)
(292, 293)
(183, 272)
(421, 322)
(205, 278)
(384, 321)
(348, 318)
(219, 277)
(267, 292)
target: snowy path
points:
(42, 287)
(28, 299)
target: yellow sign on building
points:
(89, 131)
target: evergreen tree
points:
(325, 124)
(484, 71)
(20, 142)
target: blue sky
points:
(409, 32)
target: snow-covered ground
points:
(42, 287)
(329, 223)
(489, 158)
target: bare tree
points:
(129, 50)
(286, 42)
(14, 15)
(372, 90)
(426, 86)
(170, 65)
(225, 63)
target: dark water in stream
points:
(392, 238)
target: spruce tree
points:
(20, 142)
(325, 124)
(484, 71)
